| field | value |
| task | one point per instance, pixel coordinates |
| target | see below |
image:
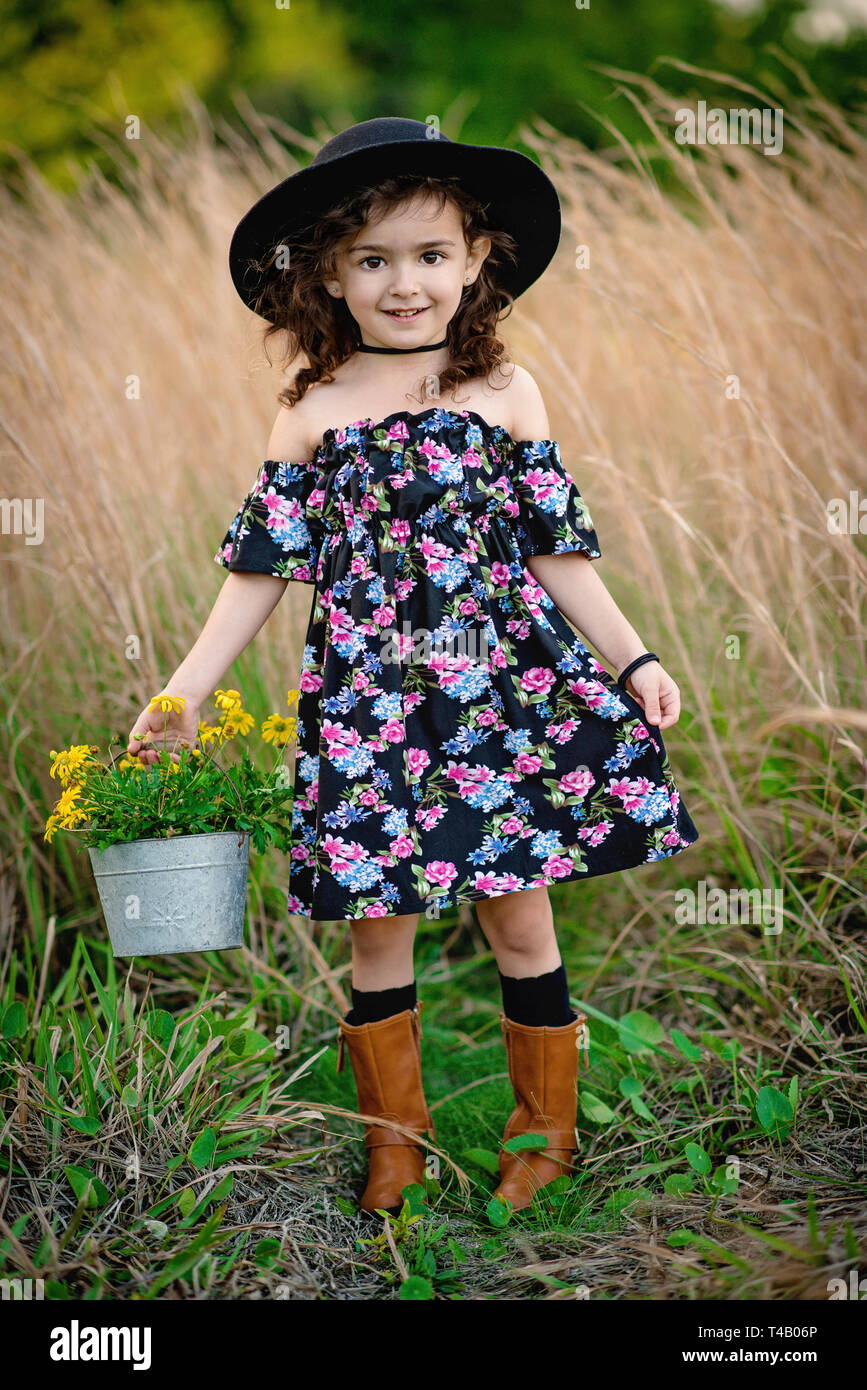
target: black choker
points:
(428, 347)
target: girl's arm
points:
(576, 588)
(579, 593)
(244, 603)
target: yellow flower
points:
(167, 703)
(292, 697)
(278, 729)
(130, 765)
(68, 799)
(227, 699)
(69, 760)
(169, 767)
(238, 721)
(51, 828)
(207, 733)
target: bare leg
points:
(382, 950)
(519, 928)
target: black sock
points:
(370, 1005)
(538, 1000)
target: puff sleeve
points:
(552, 516)
(278, 527)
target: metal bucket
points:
(187, 893)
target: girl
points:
(456, 739)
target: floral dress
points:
(456, 740)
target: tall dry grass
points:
(710, 505)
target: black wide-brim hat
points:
(517, 195)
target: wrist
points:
(627, 655)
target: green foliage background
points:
(73, 68)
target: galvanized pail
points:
(187, 893)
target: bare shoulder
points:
(528, 417)
(294, 431)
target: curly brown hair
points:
(322, 328)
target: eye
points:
(433, 253)
(370, 258)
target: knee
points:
(518, 922)
(375, 938)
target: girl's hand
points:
(155, 729)
(657, 694)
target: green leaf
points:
(639, 1032)
(14, 1023)
(682, 1237)
(793, 1095)
(129, 1097)
(640, 1108)
(498, 1212)
(482, 1158)
(202, 1149)
(697, 1158)
(86, 1186)
(596, 1109)
(678, 1184)
(266, 1253)
(630, 1086)
(683, 1044)
(416, 1288)
(774, 1112)
(85, 1124)
(186, 1201)
(521, 1142)
(348, 1208)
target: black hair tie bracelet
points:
(627, 670)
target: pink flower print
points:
(357, 564)
(487, 717)
(592, 693)
(280, 509)
(411, 700)
(485, 882)
(398, 431)
(498, 660)
(500, 574)
(402, 846)
(435, 554)
(399, 531)
(309, 681)
(518, 627)
(430, 818)
(511, 826)
(316, 499)
(543, 483)
(340, 622)
(555, 866)
(509, 883)
(370, 797)
(338, 738)
(577, 783)
(383, 615)
(539, 679)
(369, 503)
(440, 872)
(671, 838)
(360, 680)
(377, 910)
(417, 759)
(341, 853)
(630, 792)
(463, 773)
(468, 607)
(393, 731)
(528, 763)
(595, 834)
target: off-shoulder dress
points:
(456, 739)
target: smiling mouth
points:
(408, 315)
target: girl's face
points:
(412, 259)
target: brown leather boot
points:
(543, 1069)
(386, 1063)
